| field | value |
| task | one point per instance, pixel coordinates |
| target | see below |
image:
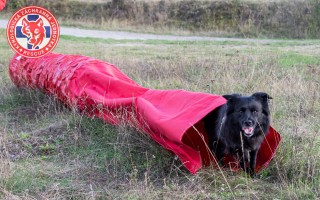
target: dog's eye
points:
(254, 111)
(36, 31)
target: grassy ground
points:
(49, 152)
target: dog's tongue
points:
(248, 130)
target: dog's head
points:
(249, 113)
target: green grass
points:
(294, 59)
(52, 152)
(28, 177)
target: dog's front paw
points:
(253, 174)
(250, 172)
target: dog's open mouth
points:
(248, 131)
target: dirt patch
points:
(24, 112)
(45, 141)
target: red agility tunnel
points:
(173, 118)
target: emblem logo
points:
(33, 32)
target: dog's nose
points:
(248, 123)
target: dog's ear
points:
(262, 96)
(227, 96)
(264, 99)
(231, 97)
(231, 100)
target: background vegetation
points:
(248, 18)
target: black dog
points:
(238, 128)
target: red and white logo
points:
(33, 32)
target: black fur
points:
(238, 128)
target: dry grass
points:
(51, 152)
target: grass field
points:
(49, 152)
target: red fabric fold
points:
(173, 118)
